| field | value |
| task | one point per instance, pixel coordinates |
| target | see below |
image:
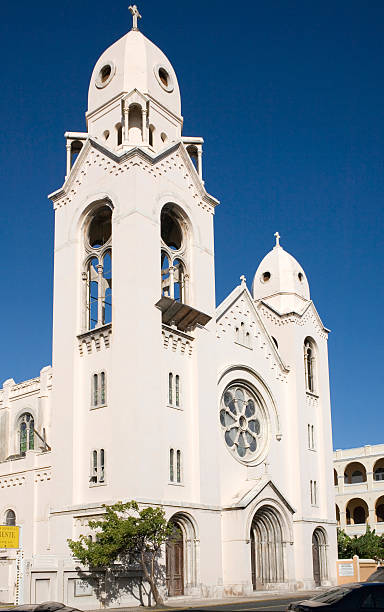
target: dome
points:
(280, 280)
(134, 62)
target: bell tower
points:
(134, 301)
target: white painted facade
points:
(247, 421)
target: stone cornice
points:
(162, 162)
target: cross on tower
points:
(277, 236)
(135, 16)
(243, 279)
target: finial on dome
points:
(277, 236)
(135, 16)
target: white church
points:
(221, 415)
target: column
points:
(99, 295)
(126, 123)
(144, 128)
(85, 302)
(171, 282)
(200, 161)
(68, 147)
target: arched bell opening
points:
(267, 548)
(181, 556)
(135, 124)
(319, 556)
(76, 146)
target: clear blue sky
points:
(289, 98)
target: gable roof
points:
(310, 308)
(236, 295)
(253, 491)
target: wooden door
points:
(316, 560)
(175, 563)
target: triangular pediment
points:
(264, 490)
(170, 159)
(239, 306)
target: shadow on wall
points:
(122, 581)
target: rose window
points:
(243, 422)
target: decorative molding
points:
(95, 339)
(42, 476)
(312, 401)
(177, 341)
(94, 154)
(27, 386)
(12, 481)
(294, 318)
(241, 312)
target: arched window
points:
(119, 134)
(135, 124)
(99, 396)
(335, 478)
(177, 390)
(378, 469)
(170, 388)
(171, 466)
(97, 274)
(379, 506)
(357, 512)
(151, 134)
(309, 363)
(355, 473)
(174, 253)
(10, 518)
(26, 433)
(97, 475)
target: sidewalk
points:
(195, 602)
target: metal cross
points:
(243, 279)
(135, 16)
(277, 236)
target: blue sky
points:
(289, 98)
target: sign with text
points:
(9, 536)
(82, 588)
(346, 569)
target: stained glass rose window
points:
(243, 422)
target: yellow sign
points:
(9, 536)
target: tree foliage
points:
(126, 534)
(367, 546)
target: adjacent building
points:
(359, 488)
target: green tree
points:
(126, 534)
(367, 546)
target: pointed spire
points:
(135, 16)
(277, 236)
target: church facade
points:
(219, 415)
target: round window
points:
(243, 421)
(164, 78)
(105, 75)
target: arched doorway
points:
(267, 553)
(175, 562)
(181, 555)
(319, 557)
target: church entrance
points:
(267, 554)
(175, 562)
(319, 558)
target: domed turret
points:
(280, 281)
(134, 96)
